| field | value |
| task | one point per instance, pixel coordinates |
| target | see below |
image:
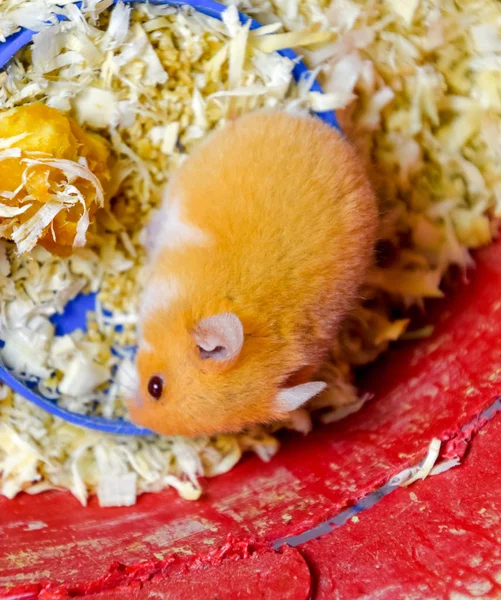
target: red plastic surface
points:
(234, 572)
(437, 537)
(422, 390)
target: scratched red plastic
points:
(439, 536)
(218, 573)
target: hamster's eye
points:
(155, 387)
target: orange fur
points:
(290, 221)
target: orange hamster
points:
(264, 235)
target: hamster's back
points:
(289, 222)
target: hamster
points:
(264, 235)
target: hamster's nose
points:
(134, 401)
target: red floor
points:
(434, 538)
(405, 546)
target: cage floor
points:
(434, 538)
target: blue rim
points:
(7, 50)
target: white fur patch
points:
(159, 295)
(169, 231)
(145, 346)
(127, 379)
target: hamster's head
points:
(210, 376)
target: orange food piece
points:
(48, 134)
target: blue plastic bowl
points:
(74, 316)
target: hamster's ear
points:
(289, 399)
(219, 338)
